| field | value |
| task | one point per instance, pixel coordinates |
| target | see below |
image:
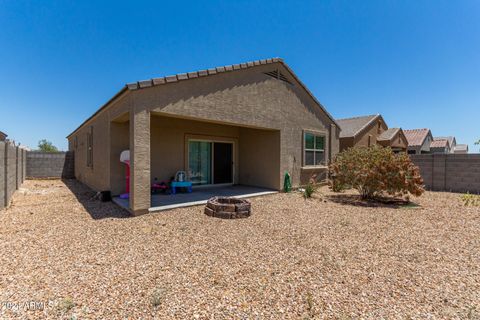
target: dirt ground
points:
(65, 256)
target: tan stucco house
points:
(258, 116)
(366, 131)
(419, 140)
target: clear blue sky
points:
(415, 62)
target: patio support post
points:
(139, 161)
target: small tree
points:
(376, 171)
(46, 146)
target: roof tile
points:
(415, 137)
(388, 134)
(202, 73)
(171, 78)
(182, 76)
(157, 81)
(352, 126)
(132, 86)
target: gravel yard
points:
(328, 257)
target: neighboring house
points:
(3, 136)
(244, 124)
(439, 145)
(461, 149)
(452, 142)
(419, 140)
(366, 131)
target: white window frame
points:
(324, 150)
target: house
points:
(366, 131)
(461, 149)
(3, 136)
(245, 124)
(419, 140)
(441, 146)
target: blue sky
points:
(415, 62)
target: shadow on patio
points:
(199, 196)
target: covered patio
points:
(198, 196)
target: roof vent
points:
(278, 75)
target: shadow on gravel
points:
(357, 201)
(96, 208)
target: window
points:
(314, 146)
(369, 140)
(90, 148)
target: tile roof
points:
(352, 126)
(388, 134)
(439, 143)
(416, 137)
(197, 74)
(450, 139)
(203, 73)
(461, 147)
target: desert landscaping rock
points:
(322, 258)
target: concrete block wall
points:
(50, 164)
(450, 172)
(12, 164)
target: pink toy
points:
(125, 158)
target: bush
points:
(376, 171)
(309, 190)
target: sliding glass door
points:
(210, 162)
(200, 162)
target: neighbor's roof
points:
(450, 139)
(203, 73)
(3, 134)
(416, 137)
(353, 126)
(461, 147)
(439, 143)
(389, 134)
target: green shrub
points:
(309, 190)
(376, 171)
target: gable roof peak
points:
(351, 127)
(200, 73)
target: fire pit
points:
(227, 208)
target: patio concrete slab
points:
(199, 196)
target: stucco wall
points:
(169, 143)
(246, 98)
(120, 141)
(259, 158)
(98, 176)
(373, 132)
